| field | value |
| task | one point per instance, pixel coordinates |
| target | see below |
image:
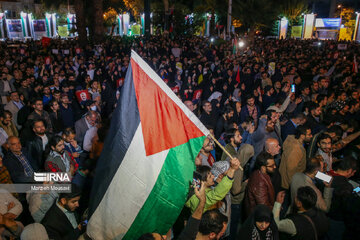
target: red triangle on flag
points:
(164, 123)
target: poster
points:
(309, 26)
(39, 28)
(283, 28)
(63, 31)
(2, 32)
(14, 28)
(345, 34)
(296, 31)
(135, 29)
(82, 95)
(328, 22)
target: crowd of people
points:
(286, 111)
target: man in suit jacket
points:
(83, 124)
(19, 164)
(60, 221)
(290, 126)
(14, 106)
(37, 144)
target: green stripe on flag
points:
(169, 193)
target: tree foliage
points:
(255, 13)
(292, 9)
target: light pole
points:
(147, 17)
(229, 17)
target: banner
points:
(71, 22)
(14, 28)
(120, 25)
(126, 22)
(328, 22)
(2, 32)
(24, 20)
(135, 29)
(39, 27)
(63, 31)
(345, 34)
(296, 31)
(283, 28)
(309, 20)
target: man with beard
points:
(7, 124)
(293, 158)
(39, 113)
(265, 130)
(224, 121)
(36, 146)
(324, 144)
(60, 221)
(208, 117)
(58, 159)
(250, 109)
(233, 140)
(313, 119)
(207, 159)
(260, 189)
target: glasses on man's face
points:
(271, 166)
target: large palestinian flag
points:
(144, 171)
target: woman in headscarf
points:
(260, 225)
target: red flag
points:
(175, 89)
(82, 95)
(355, 65)
(238, 75)
(197, 94)
(47, 60)
(45, 41)
(119, 82)
(77, 50)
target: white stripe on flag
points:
(153, 75)
(127, 191)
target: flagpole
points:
(225, 151)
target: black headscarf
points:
(261, 213)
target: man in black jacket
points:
(60, 221)
(36, 145)
(343, 190)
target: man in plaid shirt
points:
(59, 160)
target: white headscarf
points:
(215, 95)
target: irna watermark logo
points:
(52, 177)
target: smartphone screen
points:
(323, 176)
(292, 88)
(196, 182)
